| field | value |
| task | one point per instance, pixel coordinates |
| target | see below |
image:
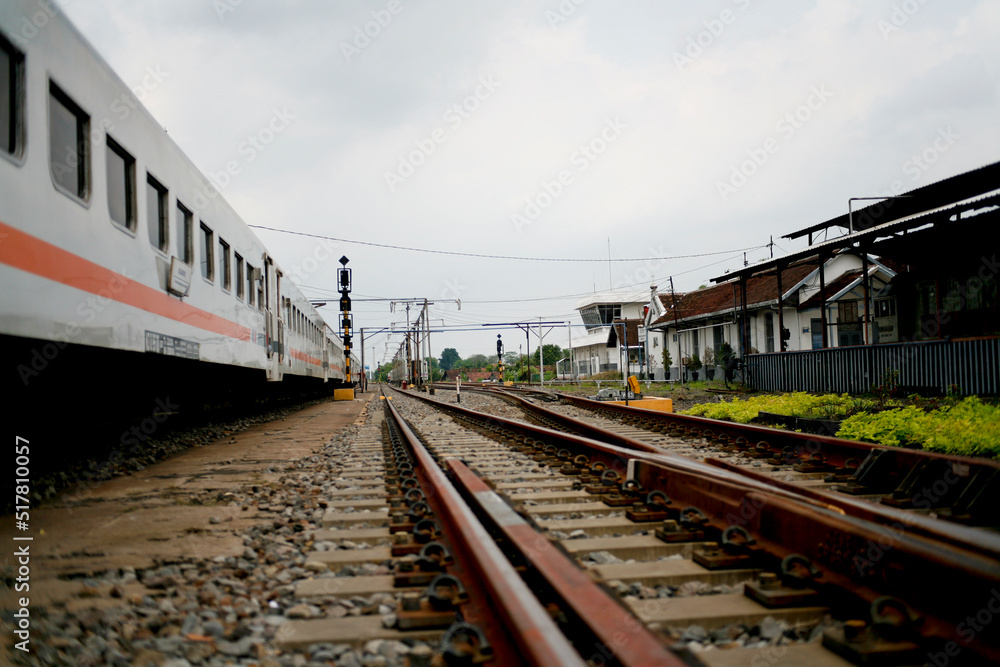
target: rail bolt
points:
(464, 644)
(410, 601)
(609, 478)
(737, 540)
(693, 518)
(657, 500)
(797, 571)
(855, 630)
(424, 531)
(434, 557)
(631, 487)
(445, 593)
(892, 619)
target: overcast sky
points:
(576, 129)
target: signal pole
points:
(344, 282)
(500, 357)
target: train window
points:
(250, 287)
(121, 184)
(260, 295)
(11, 97)
(69, 153)
(185, 244)
(156, 213)
(239, 276)
(207, 250)
(224, 267)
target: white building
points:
(598, 311)
(699, 323)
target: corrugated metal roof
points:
(909, 222)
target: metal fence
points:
(965, 367)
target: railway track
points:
(689, 556)
(958, 489)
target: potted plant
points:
(710, 362)
(667, 361)
(694, 363)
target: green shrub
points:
(968, 427)
(797, 404)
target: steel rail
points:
(838, 449)
(849, 548)
(520, 616)
(954, 533)
(617, 631)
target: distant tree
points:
(475, 362)
(382, 374)
(550, 353)
(449, 358)
(511, 359)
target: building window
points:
(885, 307)
(185, 244)
(11, 97)
(239, 277)
(69, 155)
(207, 251)
(768, 332)
(224, 266)
(156, 213)
(601, 315)
(847, 311)
(816, 330)
(121, 185)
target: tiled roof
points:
(833, 287)
(725, 297)
(474, 376)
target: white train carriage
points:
(110, 237)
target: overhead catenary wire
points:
(506, 257)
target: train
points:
(122, 265)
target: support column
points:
(822, 301)
(865, 289)
(781, 312)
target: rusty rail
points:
(861, 558)
(500, 603)
(615, 630)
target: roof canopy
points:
(884, 228)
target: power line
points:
(520, 259)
